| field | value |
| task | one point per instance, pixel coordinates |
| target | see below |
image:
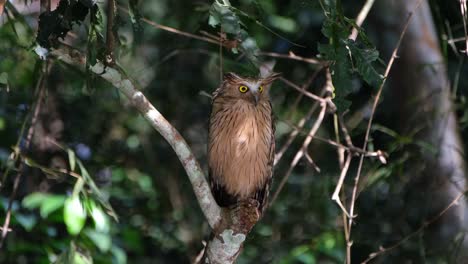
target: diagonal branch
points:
(118, 78)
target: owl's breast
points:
(240, 152)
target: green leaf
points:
(95, 192)
(363, 58)
(34, 200)
(81, 258)
(340, 68)
(347, 56)
(50, 204)
(27, 221)
(135, 18)
(47, 203)
(4, 78)
(71, 159)
(119, 255)
(74, 214)
(221, 14)
(74, 255)
(304, 254)
(101, 221)
(341, 103)
(285, 24)
(102, 240)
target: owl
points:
(241, 145)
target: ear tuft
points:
(230, 76)
(273, 76)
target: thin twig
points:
(40, 94)
(295, 131)
(221, 55)
(293, 56)
(110, 39)
(354, 150)
(369, 124)
(304, 87)
(336, 193)
(383, 250)
(464, 12)
(361, 17)
(301, 151)
(299, 89)
(173, 30)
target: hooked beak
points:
(256, 98)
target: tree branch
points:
(118, 78)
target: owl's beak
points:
(256, 98)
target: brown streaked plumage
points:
(241, 144)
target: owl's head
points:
(250, 89)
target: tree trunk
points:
(421, 94)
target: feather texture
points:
(241, 144)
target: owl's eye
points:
(260, 89)
(243, 89)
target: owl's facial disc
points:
(255, 89)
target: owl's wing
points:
(262, 194)
(222, 197)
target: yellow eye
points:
(243, 89)
(260, 89)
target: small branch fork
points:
(40, 90)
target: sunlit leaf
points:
(71, 159)
(74, 214)
(95, 192)
(101, 220)
(81, 258)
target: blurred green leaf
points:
(51, 204)
(47, 203)
(74, 255)
(27, 221)
(74, 214)
(221, 14)
(71, 159)
(81, 258)
(95, 192)
(34, 200)
(101, 220)
(102, 240)
(119, 255)
(4, 78)
(304, 254)
(285, 24)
